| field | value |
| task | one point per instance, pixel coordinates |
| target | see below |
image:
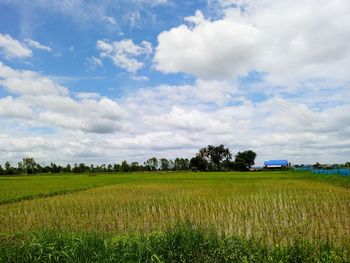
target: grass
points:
(18, 188)
(182, 243)
(270, 215)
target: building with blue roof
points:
(276, 164)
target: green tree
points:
(152, 164)
(181, 164)
(215, 154)
(244, 160)
(199, 163)
(125, 166)
(29, 165)
(164, 164)
(134, 167)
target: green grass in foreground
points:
(182, 243)
(238, 217)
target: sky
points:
(101, 81)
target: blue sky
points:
(104, 81)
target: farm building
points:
(276, 164)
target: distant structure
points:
(275, 164)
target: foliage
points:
(182, 243)
(215, 155)
(210, 158)
(199, 163)
(244, 160)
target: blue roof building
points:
(276, 163)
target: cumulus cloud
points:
(289, 41)
(124, 53)
(294, 44)
(170, 121)
(12, 48)
(28, 82)
(48, 103)
(209, 49)
(13, 108)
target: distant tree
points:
(215, 154)
(181, 164)
(152, 164)
(29, 165)
(68, 169)
(244, 160)
(164, 164)
(199, 163)
(134, 167)
(116, 168)
(20, 167)
(56, 168)
(75, 168)
(7, 167)
(83, 168)
(125, 166)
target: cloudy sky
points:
(101, 81)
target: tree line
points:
(210, 158)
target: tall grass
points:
(277, 209)
(182, 243)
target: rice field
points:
(275, 207)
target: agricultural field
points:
(272, 209)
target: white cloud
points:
(88, 95)
(124, 53)
(28, 82)
(45, 102)
(13, 108)
(290, 41)
(170, 121)
(34, 44)
(209, 49)
(12, 48)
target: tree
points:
(215, 154)
(164, 164)
(68, 169)
(125, 166)
(29, 165)
(20, 167)
(244, 160)
(152, 164)
(199, 163)
(116, 168)
(134, 167)
(181, 164)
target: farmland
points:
(275, 208)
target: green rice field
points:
(270, 208)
